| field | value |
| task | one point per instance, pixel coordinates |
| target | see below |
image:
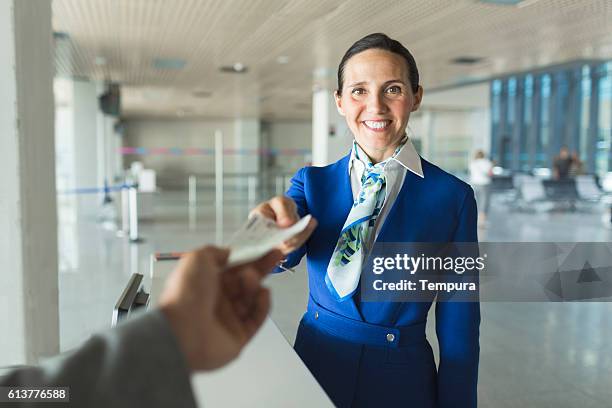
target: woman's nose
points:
(376, 103)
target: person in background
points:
(577, 167)
(481, 170)
(206, 315)
(562, 164)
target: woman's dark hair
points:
(383, 42)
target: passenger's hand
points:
(215, 311)
(283, 210)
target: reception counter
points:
(268, 373)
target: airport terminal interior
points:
(173, 119)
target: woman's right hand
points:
(283, 211)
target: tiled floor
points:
(532, 354)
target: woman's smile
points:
(377, 125)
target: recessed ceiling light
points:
(526, 3)
(202, 94)
(169, 63)
(466, 60)
(183, 111)
(282, 59)
(237, 68)
(61, 35)
(502, 2)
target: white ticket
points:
(258, 236)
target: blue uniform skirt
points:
(364, 365)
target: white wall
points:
(452, 124)
(247, 137)
(331, 139)
(288, 135)
(340, 143)
(465, 97)
(108, 141)
(186, 133)
(181, 133)
(76, 144)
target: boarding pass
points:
(258, 236)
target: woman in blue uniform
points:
(370, 354)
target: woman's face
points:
(377, 101)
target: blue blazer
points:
(436, 208)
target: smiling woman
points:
(367, 354)
(378, 88)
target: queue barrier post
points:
(252, 189)
(125, 212)
(133, 211)
(193, 191)
(280, 185)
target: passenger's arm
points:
(139, 363)
(207, 313)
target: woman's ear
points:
(338, 100)
(418, 97)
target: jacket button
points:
(390, 337)
(316, 315)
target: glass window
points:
(602, 147)
(508, 132)
(562, 118)
(541, 159)
(527, 123)
(537, 113)
(496, 91)
(585, 92)
(511, 100)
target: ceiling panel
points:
(118, 40)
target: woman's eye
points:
(394, 90)
(358, 92)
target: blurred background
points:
(174, 118)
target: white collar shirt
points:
(395, 171)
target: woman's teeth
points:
(377, 124)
